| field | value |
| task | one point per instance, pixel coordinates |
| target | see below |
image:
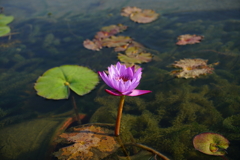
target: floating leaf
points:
(211, 143)
(56, 83)
(139, 58)
(133, 51)
(90, 142)
(4, 20)
(189, 39)
(93, 45)
(4, 30)
(192, 68)
(117, 28)
(146, 16)
(115, 41)
(127, 11)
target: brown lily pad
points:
(189, 39)
(117, 28)
(92, 45)
(192, 68)
(115, 41)
(138, 58)
(211, 143)
(146, 16)
(90, 142)
(127, 11)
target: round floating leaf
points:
(4, 30)
(89, 142)
(56, 82)
(4, 20)
(211, 143)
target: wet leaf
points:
(211, 143)
(192, 68)
(4, 20)
(146, 16)
(127, 11)
(92, 45)
(139, 58)
(56, 83)
(115, 41)
(90, 142)
(117, 28)
(189, 39)
(4, 30)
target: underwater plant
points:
(56, 82)
(124, 81)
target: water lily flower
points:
(123, 80)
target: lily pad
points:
(115, 41)
(189, 39)
(146, 16)
(94, 45)
(56, 83)
(139, 58)
(127, 11)
(211, 143)
(90, 142)
(4, 30)
(192, 68)
(4, 20)
(117, 28)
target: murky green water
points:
(50, 34)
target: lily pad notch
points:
(57, 82)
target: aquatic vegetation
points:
(102, 38)
(211, 143)
(127, 11)
(57, 82)
(137, 58)
(192, 68)
(4, 20)
(90, 142)
(124, 81)
(189, 39)
(116, 41)
(138, 15)
(146, 16)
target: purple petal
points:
(137, 92)
(114, 93)
(105, 78)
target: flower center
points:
(124, 78)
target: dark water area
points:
(166, 119)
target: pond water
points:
(50, 33)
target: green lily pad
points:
(4, 30)
(56, 83)
(4, 20)
(211, 143)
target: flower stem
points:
(119, 116)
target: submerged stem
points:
(152, 150)
(119, 116)
(76, 110)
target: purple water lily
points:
(123, 80)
